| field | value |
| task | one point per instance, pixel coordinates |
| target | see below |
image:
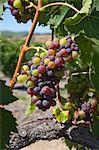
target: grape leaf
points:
(95, 124)
(89, 26)
(85, 46)
(1, 11)
(6, 96)
(30, 109)
(81, 15)
(2, 8)
(96, 5)
(62, 117)
(86, 6)
(56, 20)
(7, 124)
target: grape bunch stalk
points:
(43, 72)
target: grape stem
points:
(2, 106)
(38, 48)
(24, 48)
(59, 3)
(59, 98)
(31, 5)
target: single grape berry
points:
(51, 64)
(46, 90)
(36, 60)
(22, 78)
(46, 104)
(46, 61)
(35, 72)
(42, 69)
(63, 41)
(51, 52)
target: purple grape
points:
(52, 102)
(52, 58)
(30, 91)
(46, 104)
(15, 12)
(34, 79)
(39, 104)
(36, 90)
(41, 84)
(29, 63)
(40, 80)
(67, 45)
(50, 73)
(68, 50)
(69, 40)
(33, 67)
(75, 48)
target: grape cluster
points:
(18, 9)
(43, 72)
(87, 108)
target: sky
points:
(10, 24)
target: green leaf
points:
(7, 124)
(63, 117)
(3, 1)
(95, 125)
(86, 6)
(95, 61)
(88, 26)
(85, 46)
(75, 19)
(30, 109)
(6, 96)
(1, 11)
(63, 92)
(56, 20)
(78, 17)
(56, 111)
(96, 5)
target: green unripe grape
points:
(27, 1)
(30, 84)
(17, 4)
(35, 72)
(36, 60)
(63, 41)
(43, 54)
(74, 54)
(25, 67)
(22, 78)
(48, 43)
(46, 61)
(68, 106)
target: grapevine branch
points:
(25, 47)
